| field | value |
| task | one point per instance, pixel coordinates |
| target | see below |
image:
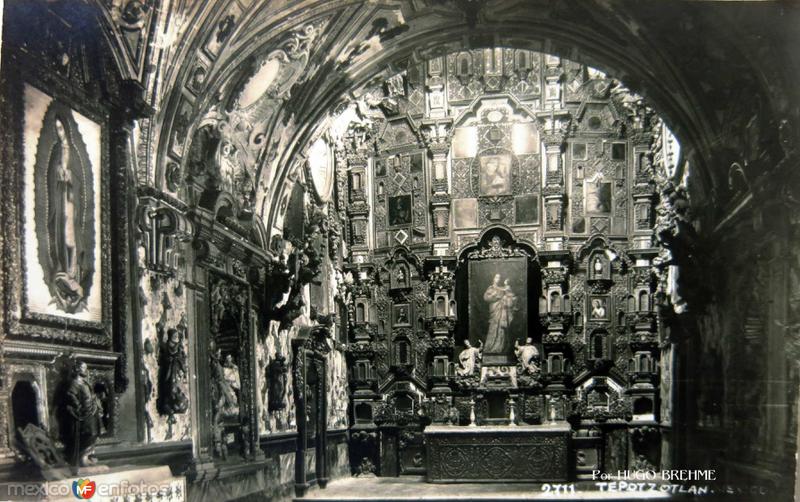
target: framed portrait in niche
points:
(526, 209)
(197, 78)
(498, 306)
(579, 151)
(618, 151)
(598, 197)
(401, 315)
(578, 224)
(465, 213)
(416, 162)
(495, 175)
(65, 236)
(399, 210)
(598, 308)
(400, 277)
(380, 167)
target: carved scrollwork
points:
(555, 338)
(559, 320)
(442, 280)
(291, 59)
(554, 276)
(682, 264)
(162, 228)
(442, 345)
(441, 324)
(361, 350)
(643, 340)
(437, 135)
(497, 248)
(387, 413)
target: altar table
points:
(457, 454)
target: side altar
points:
(497, 453)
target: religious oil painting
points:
(495, 175)
(526, 209)
(62, 210)
(416, 162)
(598, 197)
(401, 315)
(380, 167)
(465, 213)
(399, 212)
(598, 308)
(498, 306)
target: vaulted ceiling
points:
(721, 74)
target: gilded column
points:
(437, 136)
(554, 126)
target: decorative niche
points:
(499, 268)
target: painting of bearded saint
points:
(64, 206)
(498, 307)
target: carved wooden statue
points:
(83, 413)
(527, 355)
(172, 371)
(278, 370)
(217, 400)
(231, 386)
(469, 359)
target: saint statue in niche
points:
(172, 370)
(230, 387)
(400, 278)
(228, 166)
(469, 359)
(83, 412)
(598, 267)
(278, 370)
(64, 210)
(219, 400)
(502, 305)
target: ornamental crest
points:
(497, 248)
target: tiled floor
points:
(415, 488)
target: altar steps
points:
(405, 488)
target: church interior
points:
(298, 249)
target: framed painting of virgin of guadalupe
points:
(498, 306)
(64, 195)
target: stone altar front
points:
(497, 453)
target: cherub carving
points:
(470, 358)
(527, 354)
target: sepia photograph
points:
(399, 250)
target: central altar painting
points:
(498, 307)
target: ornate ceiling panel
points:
(688, 60)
